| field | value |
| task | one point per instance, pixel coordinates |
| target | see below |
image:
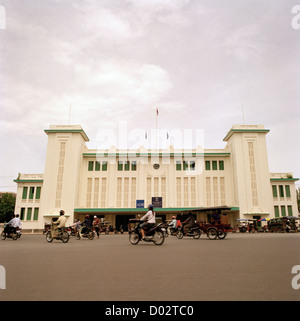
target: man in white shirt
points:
(61, 222)
(149, 219)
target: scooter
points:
(9, 232)
(88, 233)
(193, 231)
(154, 234)
(59, 234)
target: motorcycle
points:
(85, 232)
(193, 231)
(154, 234)
(71, 231)
(9, 232)
(59, 234)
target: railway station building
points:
(116, 184)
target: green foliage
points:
(7, 206)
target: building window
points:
(214, 165)
(274, 188)
(276, 210)
(91, 166)
(127, 166)
(97, 166)
(22, 213)
(192, 165)
(120, 166)
(290, 210)
(207, 165)
(185, 165)
(104, 166)
(221, 165)
(178, 165)
(287, 191)
(38, 193)
(281, 191)
(31, 193)
(283, 211)
(133, 165)
(36, 214)
(29, 211)
(24, 195)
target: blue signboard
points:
(140, 204)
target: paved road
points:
(241, 267)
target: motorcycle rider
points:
(189, 222)
(173, 224)
(61, 222)
(87, 224)
(149, 219)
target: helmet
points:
(95, 216)
(173, 216)
(150, 206)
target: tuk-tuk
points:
(283, 224)
(245, 225)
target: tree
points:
(7, 206)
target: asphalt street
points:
(240, 267)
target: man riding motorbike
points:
(61, 222)
(149, 219)
(189, 222)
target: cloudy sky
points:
(205, 64)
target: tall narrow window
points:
(193, 191)
(36, 214)
(276, 210)
(283, 210)
(185, 191)
(126, 191)
(290, 210)
(119, 192)
(97, 166)
(103, 192)
(287, 191)
(104, 166)
(91, 166)
(61, 162)
(178, 165)
(215, 190)
(29, 211)
(274, 189)
(207, 165)
(221, 165)
(149, 190)
(96, 192)
(133, 192)
(89, 193)
(281, 191)
(120, 165)
(178, 191)
(214, 165)
(25, 191)
(22, 213)
(38, 193)
(253, 173)
(133, 165)
(31, 192)
(192, 165)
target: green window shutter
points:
(104, 166)
(287, 191)
(24, 195)
(120, 166)
(97, 166)
(133, 166)
(283, 211)
(192, 165)
(22, 214)
(214, 165)
(178, 165)
(31, 192)
(221, 165)
(29, 211)
(36, 214)
(274, 188)
(91, 166)
(276, 209)
(127, 166)
(207, 165)
(38, 193)
(290, 210)
(281, 192)
(185, 165)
